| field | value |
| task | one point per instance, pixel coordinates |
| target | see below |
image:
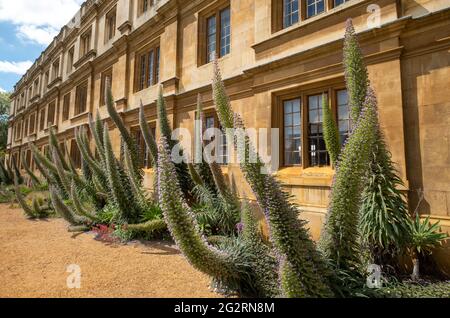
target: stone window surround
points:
(155, 47)
(278, 13)
(330, 87)
(203, 17)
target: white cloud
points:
(18, 68)
(2, 90)
(38, 21)
(41, 35)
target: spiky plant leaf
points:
(21, 200)
(150, 140)
(126, 136)
(63, 210)
(341, 233)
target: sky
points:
(26, 28)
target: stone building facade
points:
(277, 58)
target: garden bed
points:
(35, 256)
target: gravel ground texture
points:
(36, 259)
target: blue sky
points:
(26, 28)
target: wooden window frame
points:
(66, 106)
(277, 12)
(203, 31)
(51, 106)
(144, 6)
(78, 99)
(105, 75)
(55, 69)
(85, 43)
(32, 125)
(302, 93)
(75, 154)
(70, 59)
(42, 114)
(140, 142)
(110, 18)
(36, 87)
(25, 127)
(141, 81)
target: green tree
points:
(4, 114)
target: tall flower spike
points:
(150, 140)
(356, 75)
(126, 137)
(340, 238)
(289, 235)
(183, 226)
(126, 205)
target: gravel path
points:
(35, 255)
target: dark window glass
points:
(292, 132)
(314, 7)
(290, 12)
(142, 72)
(339, 2)
(225, 32)
(318, 155)
(75, 154)
(66, 107)
(211, 38)
(343, 110)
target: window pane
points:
(315, 7)
(345, 122)
(292, 132)
(339, 2)
(225, 32)
(290, 12)
(211, 39)
(151, 65)
(142, 73)
(318, 155)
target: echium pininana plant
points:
(232, 265)
(330, 131)
(120, 187)
(166, 131)
(384, 212)
(204, 168)
(340, 238)
(304, 271)
(126, 137)
(149, 139)
(219, 208)
(356, 75)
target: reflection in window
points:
(292, 132)
(343, 110)
(290, 12)
(318, 155)
(314, 7)
(339, 2)
(211, 38)
(225, 32)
